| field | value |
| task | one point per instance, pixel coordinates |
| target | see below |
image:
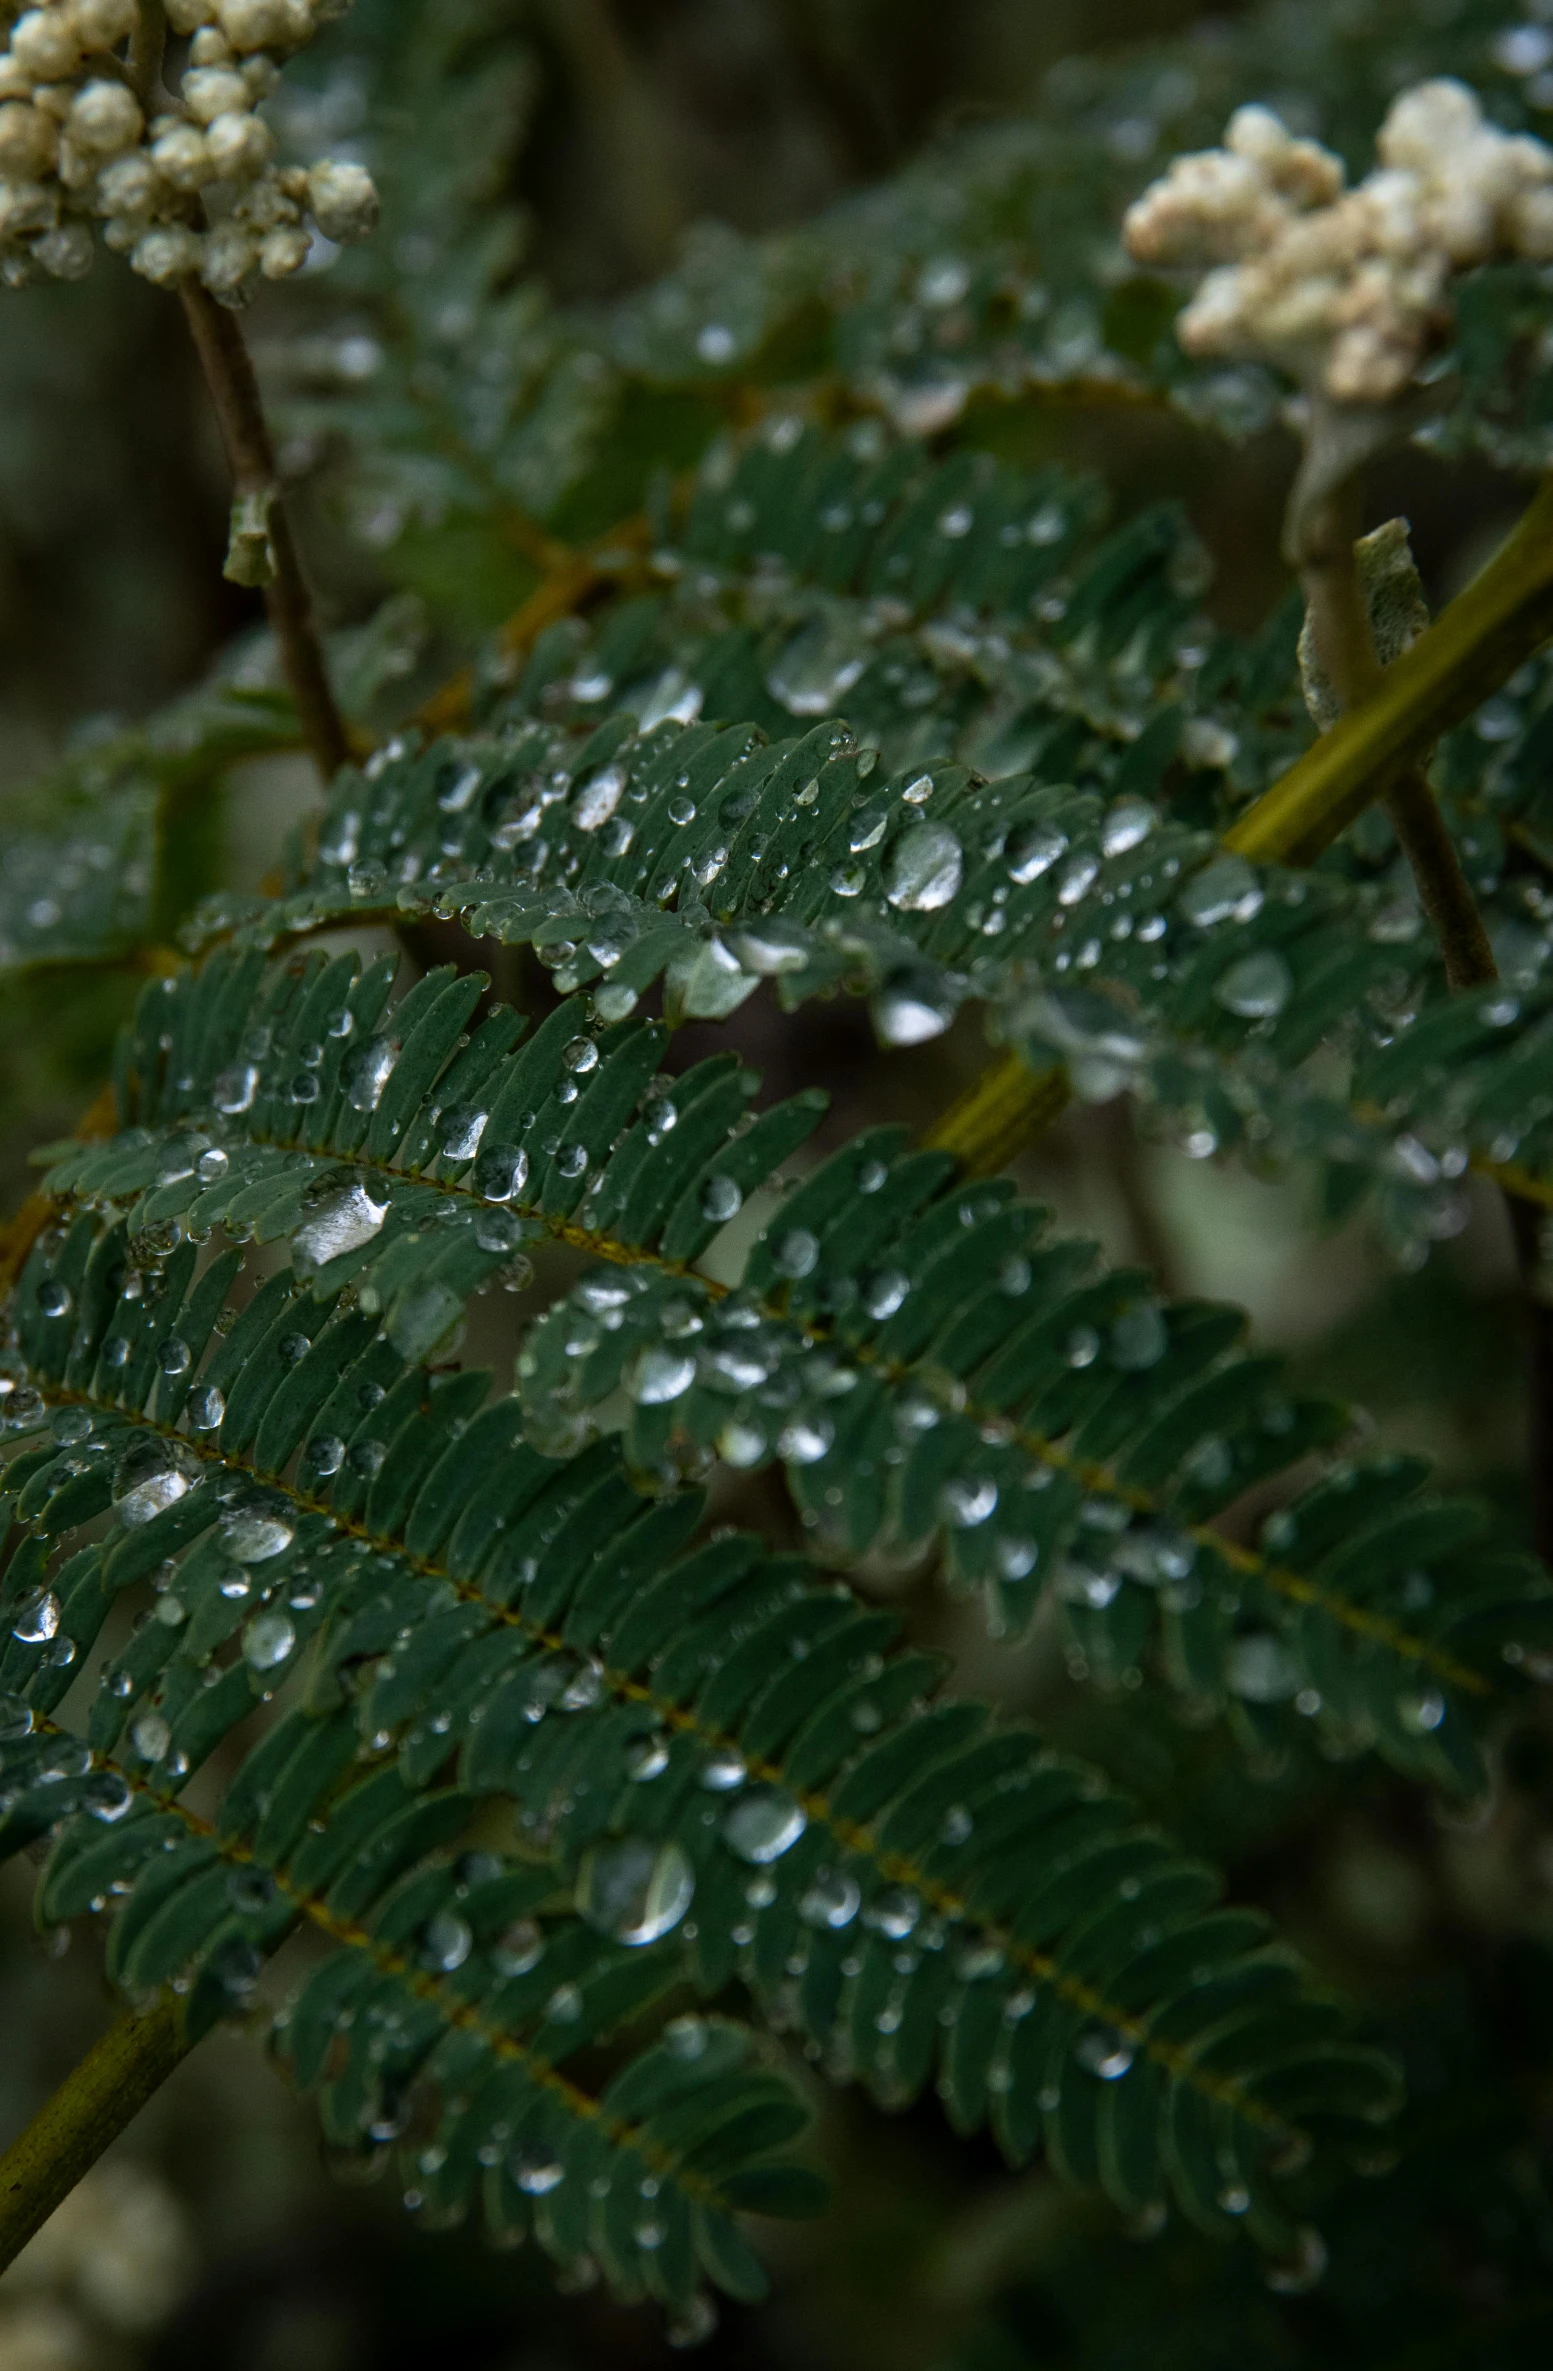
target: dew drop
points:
(253, 1534)
(500, 1172)
(721, 1199)
(634, 1889)
(1104, 2051)
(832, 1899)
(1225, 891)
(268, 1640)
(151, 1476)
(661, 1375)
(924, 869)
(764, 1823)
(367, 1072)
(36, 1618)
(1257, 987)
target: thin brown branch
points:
(234, 390)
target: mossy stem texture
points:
(89, 2110)
(234, 389)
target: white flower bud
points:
(230, 262)
(282, 252)
(100, 25)
(266, 24)
(267, 205)
(66, 253)
(44, 45)
(104, 119)
(1345, 289)
(29, 140)
(15, 82)
(260, 76)
(183, 155)
(187, 16)
(128, 186)
(209, 91)
(27, 206)
(344, 201)
(166, 255)
(210, 47)
(240, 146)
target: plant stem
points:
(89, 2110)
(146, 47)
(998, 1113)
(1323, 537)
(234, 389)
(1474, 645)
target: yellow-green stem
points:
(89, 2110)
(1474, 645)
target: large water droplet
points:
(765, 1822)
(1032, 849)
(1125, 825)
(54, 1298)
(721, 1199)
(207, 1407)
(924, 869)
(367, 1072)
(253, 1534)
(36, 1618)
(661, 1375)
(500, 1172)
(1104, 2051)
(268, 1640)
(634, 1889)
(794, 1253)
(598, 797)
(1260, 1668)
(968, 1500)
(885, 1292)
(461, 1130)
(518, 1948)
(1225, 891)
(817, 669)
(234, 1089)
(1258, 986)
(832, 1899)
(150, 1736)
(1139, 1338)
(152, 1475)
(911, 1007)
(446, 1942)
(107, 1796)
(770, 946)
(343, 1223)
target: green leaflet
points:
(1067, 891)
(464, 1982)
(719, 1729)
(920, 1355)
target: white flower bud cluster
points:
(194, 190)
(1347, 289)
